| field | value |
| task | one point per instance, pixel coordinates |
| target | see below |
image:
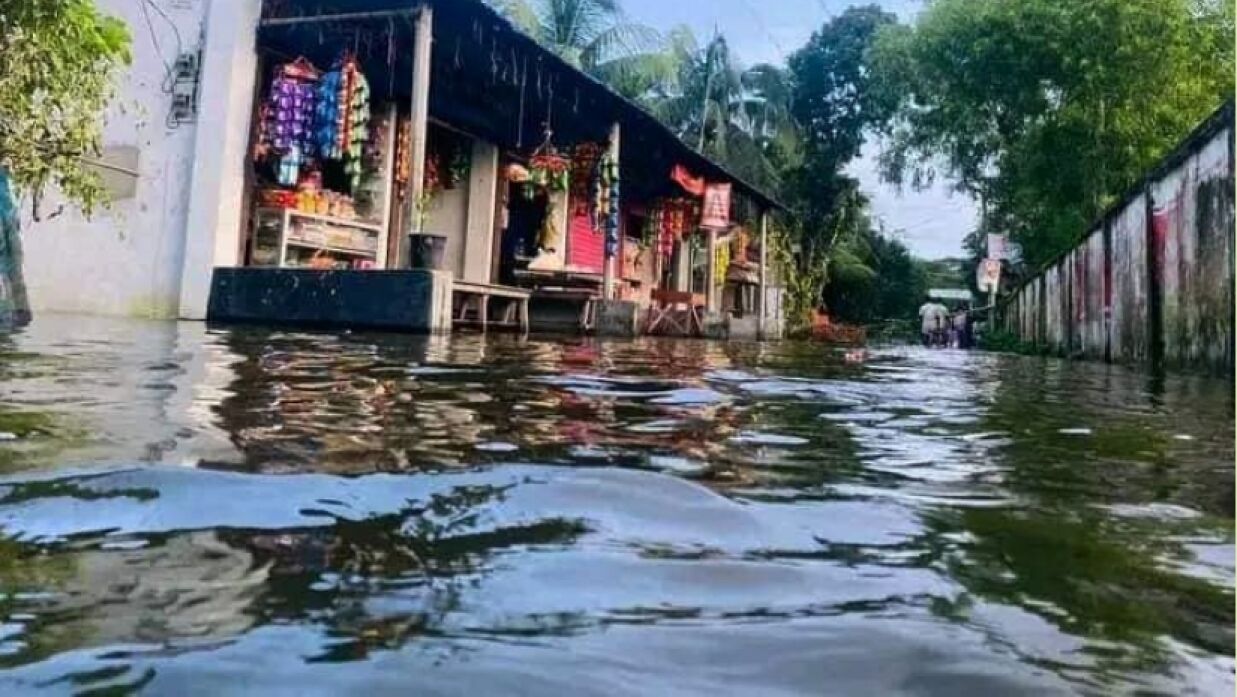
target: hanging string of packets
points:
(668, 221)
(606, 201)
(285, 122)
(307, 114)
(341, 116)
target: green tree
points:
(875, 278)
(58, 61)
(1049, 110)
(835, 106)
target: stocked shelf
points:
(329, 220)
(283, 237)
(370, 254)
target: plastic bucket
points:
(427, 251)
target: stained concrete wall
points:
(478, 250)
(1192, 221)
(1091, 295)
(1153, 282)
(126, 259)
(447, 215)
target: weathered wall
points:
(1192, 230)
(1153, 282)
(1090, 297)
(126, 259)
(447, 215)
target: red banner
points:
(691, 184)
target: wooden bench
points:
(568, 285)
(476, 296)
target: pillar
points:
(423, 37)
(220, 150)
(762, 291)
(710, 283)
(482, 204)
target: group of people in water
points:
(941, 328)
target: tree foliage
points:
(835, 100)
(835, 107)
(881, 281)
(594, 36)
(58, 63)
(1050, 110)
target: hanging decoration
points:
(721, 263)
(549, 170)
(403, 155)
(651, 234)
(549, 173)
(358, 128)
(584, 160)
(606, 202)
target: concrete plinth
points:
(618, 318)
(743, 328)
(714, 325)
(409, 301)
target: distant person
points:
(931, 322)
(962, 329)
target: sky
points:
(932, 223)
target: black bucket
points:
(427, 251)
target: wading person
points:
(931, 320)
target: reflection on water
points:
(328, 513)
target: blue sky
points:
(932, 223)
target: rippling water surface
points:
(267, 511)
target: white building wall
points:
(126, 260)
(216, 197)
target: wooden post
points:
(607, 274)
(388, 174)
(423, 37)
(761, 310)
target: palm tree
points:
(594, 36)
(738, 116)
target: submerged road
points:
(322, 513)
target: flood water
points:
(186, 510)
